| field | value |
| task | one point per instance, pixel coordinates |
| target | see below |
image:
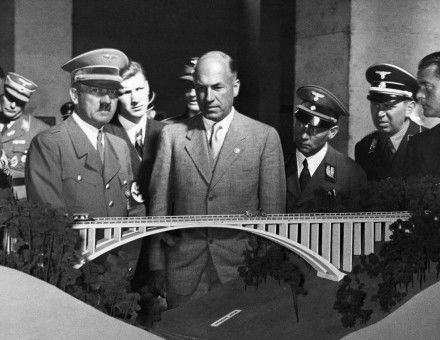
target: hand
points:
(4, 164)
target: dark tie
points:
(99, 146)
(305, 177)
(138, 144)
(389, 150)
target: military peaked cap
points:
(188, 69)
(19, 87)
(99, 68)
(320, 107)
(389, 83)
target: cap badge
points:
(372, 145)
(330, 173)
(24, 82)
(383, 74)
(317, 95)
(315, 121)
(382, 85)
(313, 107)
(108, 57)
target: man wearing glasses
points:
(76, 165)
(315, 164)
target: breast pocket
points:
(81, 188)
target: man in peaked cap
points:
(382, 153)
(76, 166)
(315, 164)
(17, 129)
(187, 80)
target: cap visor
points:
(16, 94)
(385, 97)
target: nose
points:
(192, 92)
(12, 105)
(105, 98)
(420, 94)
(209, 95)
(135, 96)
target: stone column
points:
(35, 40)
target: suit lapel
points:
(197, 148)
(399, 157)
(232, 148)
(111, 162)
(82, 145)
(292, 178)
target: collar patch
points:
(330, 173)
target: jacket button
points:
(210, 198)
(79, 178)
(211, 241)
(107, 186)
(110, 204)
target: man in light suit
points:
(76, 166)
(220, 162)
(315, 165)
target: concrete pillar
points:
(323, 51)
(35, 40)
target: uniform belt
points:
(18, 181)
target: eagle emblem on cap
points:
(317, 95)
(383, 74)
(108, 57)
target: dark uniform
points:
(372, 155)
(336, 172)
(18, 131)
(390, 85)
(16, 140)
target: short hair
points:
(431, 59)
(231, 62)
(132, 69)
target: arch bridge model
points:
(326, 241)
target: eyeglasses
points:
(100, 91)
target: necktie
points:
(214, 143)
(139, 145)
(389, 150)
(99, 146)
(305, 177)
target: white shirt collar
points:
(224, 123)
(396, 139)
(313, 162)
(132, 128)
(90, 131)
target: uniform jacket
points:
(370, 154)
(16, 141)
(141, 168)
(336, 173)
(423, 157)
(65, 171)
(248, 175)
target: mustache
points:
(105, 107)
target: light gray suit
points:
(249, 174)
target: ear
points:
(74, 95)
(236, 87)
(332, 132)
(410, 107)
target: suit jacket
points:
(371, 155)
(423, 157)
(64, 170)
(141, 168)
(248, 175)
(336, 172)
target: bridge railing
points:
(336, 237)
